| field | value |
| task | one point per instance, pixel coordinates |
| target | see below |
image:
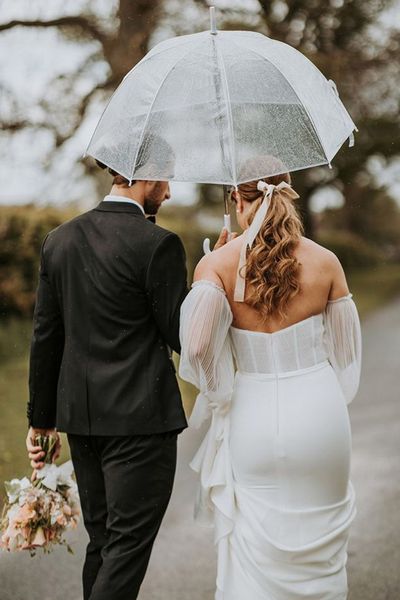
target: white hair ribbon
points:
(251, 233)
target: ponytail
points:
(272, 270)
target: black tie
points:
(151, 218)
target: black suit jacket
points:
(110, 290)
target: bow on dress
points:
(251, 233)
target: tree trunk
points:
(137, 21)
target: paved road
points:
(183, 561)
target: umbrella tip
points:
(213, 23)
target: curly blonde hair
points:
(272, 270)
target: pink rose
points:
(24, 515)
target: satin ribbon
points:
(251, 233)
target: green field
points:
(371, 288)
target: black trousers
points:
(125, 484)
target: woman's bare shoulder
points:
(313, 249)
(327, 263)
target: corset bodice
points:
(293, 348)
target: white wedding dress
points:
(274, 465)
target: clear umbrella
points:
(220, 107)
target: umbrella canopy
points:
(215, 107)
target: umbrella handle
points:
(227, 226)
(206, 246)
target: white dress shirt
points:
(112, 198)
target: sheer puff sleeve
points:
(206, 357)
(207, 362)
(343, 343)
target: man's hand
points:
(36, 453)
(224, 238)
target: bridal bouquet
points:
(39, 512)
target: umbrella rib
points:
(229, 111)
(295, 93)
(152, 104)
(128, 74)
(292, 170)
(115, 92)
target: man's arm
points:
(46, 353)
(167, 287)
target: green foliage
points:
(337, 37)
(22, 230)
(184, 222)
(352, 251)
(376, 219)
(363, 232)
(375, 286)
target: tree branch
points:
(15, 125)
(76, 22)
(82, 108)
(12, 126)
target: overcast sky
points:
(30, 59)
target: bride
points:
(271, 337)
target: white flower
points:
(15, 487)
(53, 476)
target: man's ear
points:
(149, 186)
(239, 203)
(235, 196)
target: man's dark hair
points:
(149, 140)
(117, 178)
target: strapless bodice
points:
(293, 348)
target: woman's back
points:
(320, 276)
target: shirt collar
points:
(114, 198)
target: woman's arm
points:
(205, 321)
(343, 331)
(339, 287)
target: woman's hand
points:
(224, 238)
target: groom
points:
(106, 318)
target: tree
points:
(339, 37)
(120, 42)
